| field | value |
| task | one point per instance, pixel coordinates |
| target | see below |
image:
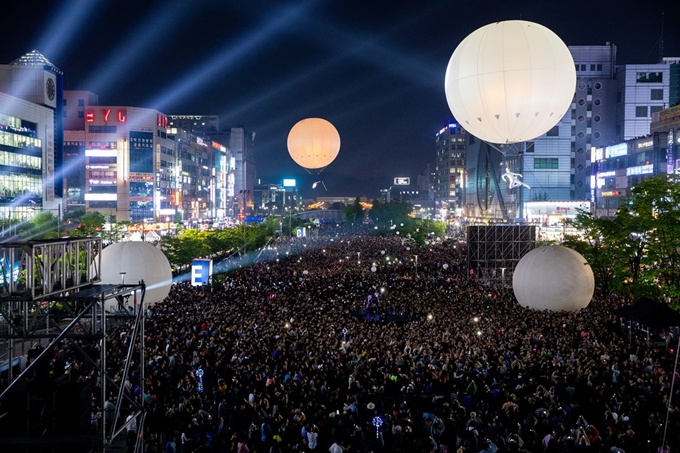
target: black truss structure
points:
(37, 277)
(494, 250)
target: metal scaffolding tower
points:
(495, 250)
(51, 297)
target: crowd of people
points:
(350, 344)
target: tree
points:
(354, 213)
(394, 212)
(638, 252)
(91, 225)
(44, 225)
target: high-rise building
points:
(241, 164)
(556, 165)
(24, 170)
(449, 168)
(33, 78)
(642, 90)
(196, 123)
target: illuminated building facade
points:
(240, 165)
(449, 168)
(129, 164)
(23, 159)
(618, 168)
(33, 78)
(556, 165)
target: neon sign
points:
(121, 115)
(162, 121)
(640, 170)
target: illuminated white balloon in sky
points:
(509, 82)
(313, 143)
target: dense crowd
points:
(354, 344)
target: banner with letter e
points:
(201, 270)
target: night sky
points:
(374, 69)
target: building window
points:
(546, 163)
(81, 114)
(649, 77)
(655, 108)
(554, 132)
(81, 102)
(583, 67)
(103, 129)
(641, 111)
(597, 85)
(657, 94)
(63, 102)
(597, 118)
(599, 67)
(618, 97)
(597, 101)
(65, 113)
(592, 67)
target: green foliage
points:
(392, 213)
(91, 225)
(44, 225)
(354, 214)
(638, 252)
(190, 244)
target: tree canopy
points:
(637, 252)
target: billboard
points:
(201, 270)
(288, 183)
(141, 152)
(402, 181)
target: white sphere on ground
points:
(510, 81)
(554, 278)
(139, 261)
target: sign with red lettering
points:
(122, 115)
(162, 121)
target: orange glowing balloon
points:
(313, 143)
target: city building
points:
(33, 78)
(555, 166)
(25, 173)
(196, 123)
(642, 90)
(449, 167)
(242, 166)
(129, 164)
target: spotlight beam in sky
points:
(366, 48)
(150, 33)
(227, 59)
(64, 27)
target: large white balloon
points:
(139, 261)
(313, 143)
(553, 278)
(511, 81)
